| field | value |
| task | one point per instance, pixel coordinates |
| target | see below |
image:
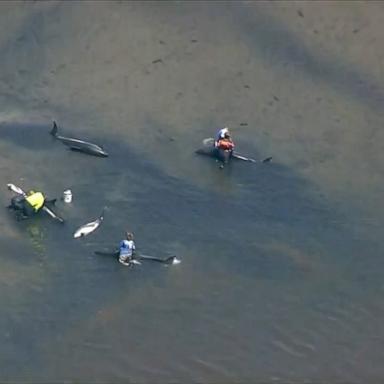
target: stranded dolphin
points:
(79, 145)
(209, 150)
(86, 229)
(171, 260)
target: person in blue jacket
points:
(127, 249)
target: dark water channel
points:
(272, 276)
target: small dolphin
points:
(79, 145)
(86, 229)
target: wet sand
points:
(280, 276)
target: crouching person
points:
(28, 205)
(127, 249)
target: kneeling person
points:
(28, 205)
(127, 250)
(224, 148)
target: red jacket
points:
(225, 144)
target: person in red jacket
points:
(225, 147)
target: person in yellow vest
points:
(29, 204)
(35, 201)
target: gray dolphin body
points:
(171, 260)
(79, 145)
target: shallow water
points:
(280, 279)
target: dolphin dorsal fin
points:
(54, 129)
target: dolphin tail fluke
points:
(54, 129)
(267, 160)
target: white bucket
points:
(67, 196)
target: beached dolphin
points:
(209, 150)
(79, 145)
(86, 229)
(171, 260)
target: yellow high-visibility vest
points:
(36, 200)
